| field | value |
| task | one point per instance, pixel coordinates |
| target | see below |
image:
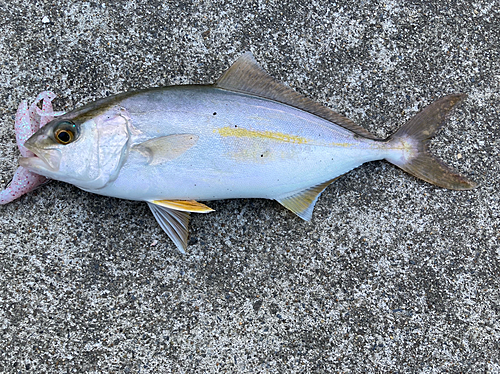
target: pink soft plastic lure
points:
(28, 120)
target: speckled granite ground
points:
(391, 275)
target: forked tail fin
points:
(414, 136)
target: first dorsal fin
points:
(247, 76)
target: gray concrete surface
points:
(392, 274)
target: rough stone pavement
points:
(391, 275)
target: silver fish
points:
(246, 136)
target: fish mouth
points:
(42, 160)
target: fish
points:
(245, 136)
(29, 119)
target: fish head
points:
(86, 152)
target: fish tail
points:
(413, 140)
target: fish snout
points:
(32, 141)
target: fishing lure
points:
(29, 119)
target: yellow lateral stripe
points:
(239, 132)
(271, 135)
(184, 205)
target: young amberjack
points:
(246, 136)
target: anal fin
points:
(302, 203)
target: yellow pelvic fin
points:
(184, 205)
(174, 223)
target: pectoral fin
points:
(302, 203)
(174, 223)
(165, 148)
(184, 205)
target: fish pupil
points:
(64, 137)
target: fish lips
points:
(43, 159)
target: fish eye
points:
(64, 136)
(65, 132)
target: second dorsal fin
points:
(247, 76)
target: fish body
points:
(243, 147)
(247, 136)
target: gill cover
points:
(113, 134)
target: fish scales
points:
(248, 147)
